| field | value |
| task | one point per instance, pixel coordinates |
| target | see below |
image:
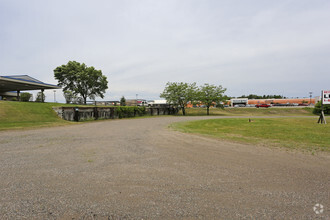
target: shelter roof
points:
(23, 82)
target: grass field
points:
(18, 115)
(290, 111)
(294, 133)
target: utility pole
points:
(310, 98)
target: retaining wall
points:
(89, 113)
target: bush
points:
(14, 99)
(25, 96)
(317, 109)
(129, 111)
(40, 97)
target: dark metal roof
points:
(23, 82)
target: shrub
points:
(129, 111)
(14, 99)
(317, 109)
(25, 96)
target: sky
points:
(247, 46)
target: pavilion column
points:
(42, 95)
(18, 97)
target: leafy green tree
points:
(81, 80)
(210, 95)
(123, 101)
(179, 94)
(40, 97)
(25, 96)
(69, 96)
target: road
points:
(139, 169)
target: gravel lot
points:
(139, 169)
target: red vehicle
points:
(263, 106)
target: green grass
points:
(290, 111)
(294, 133)
(18, 115)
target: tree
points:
(81, 80)
(210, 95)
(69, 96)
(25, 96)
(40, 97)
(179, 94)
(123, 101)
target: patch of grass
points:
(290, 111)
(19, 115)
(294, 133)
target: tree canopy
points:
(81, 80)
(179, 94)
(209, 95)
(253, 96)
(122, 101)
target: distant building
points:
(158, 103)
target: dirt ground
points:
(139, 169)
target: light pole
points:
(54, 96)
(136, 99)
(310, 98)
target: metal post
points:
(322, 117)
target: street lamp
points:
(54, 95)
(310, 98)
(136, 99)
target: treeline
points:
(253, 96)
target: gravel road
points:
(139, 169)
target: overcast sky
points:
(247, 46)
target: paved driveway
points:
(138, 169)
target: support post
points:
(18, 96)
(42, 95)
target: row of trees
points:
(253, 96)
(180, 94)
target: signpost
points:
(325, 100)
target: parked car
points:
(263, 106)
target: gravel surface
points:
(139, 169)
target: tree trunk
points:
(85, 100)
(183, 111)
(208, 110)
